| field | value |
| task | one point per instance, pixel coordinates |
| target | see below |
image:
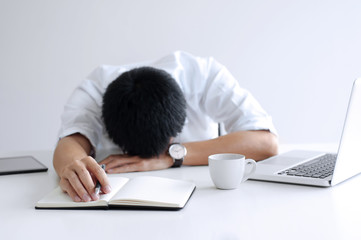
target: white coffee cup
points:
(228, 170)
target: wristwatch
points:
(177, 151)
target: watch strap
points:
(177, 162)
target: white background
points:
(299, 58)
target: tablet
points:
(22, 164)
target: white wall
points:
(299, 58)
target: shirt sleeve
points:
(82, 112)
(226, 102)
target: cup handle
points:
(250, 166)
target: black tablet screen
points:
(23, 164)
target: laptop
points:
(320, 168)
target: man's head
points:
(142, 109)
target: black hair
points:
(142, 109)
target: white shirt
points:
(213, 96)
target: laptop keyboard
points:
(320, 167)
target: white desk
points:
(257, 210)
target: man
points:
(141, 111)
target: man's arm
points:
(77, 170)
(257, 145)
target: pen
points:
(97, 186)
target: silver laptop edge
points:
(348, 162)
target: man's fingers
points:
(79, 177)
(124, 163)
(116, 161)
(122, 169)
(119, 163)
(112, 158)
(86, 180)
(101, 176)
(66, 187)
(78, 186)
(133, 166)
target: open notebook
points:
(145, 192)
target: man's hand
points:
(124, 163)
(78, 179)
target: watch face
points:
(177, 151)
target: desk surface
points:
(256, 210)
